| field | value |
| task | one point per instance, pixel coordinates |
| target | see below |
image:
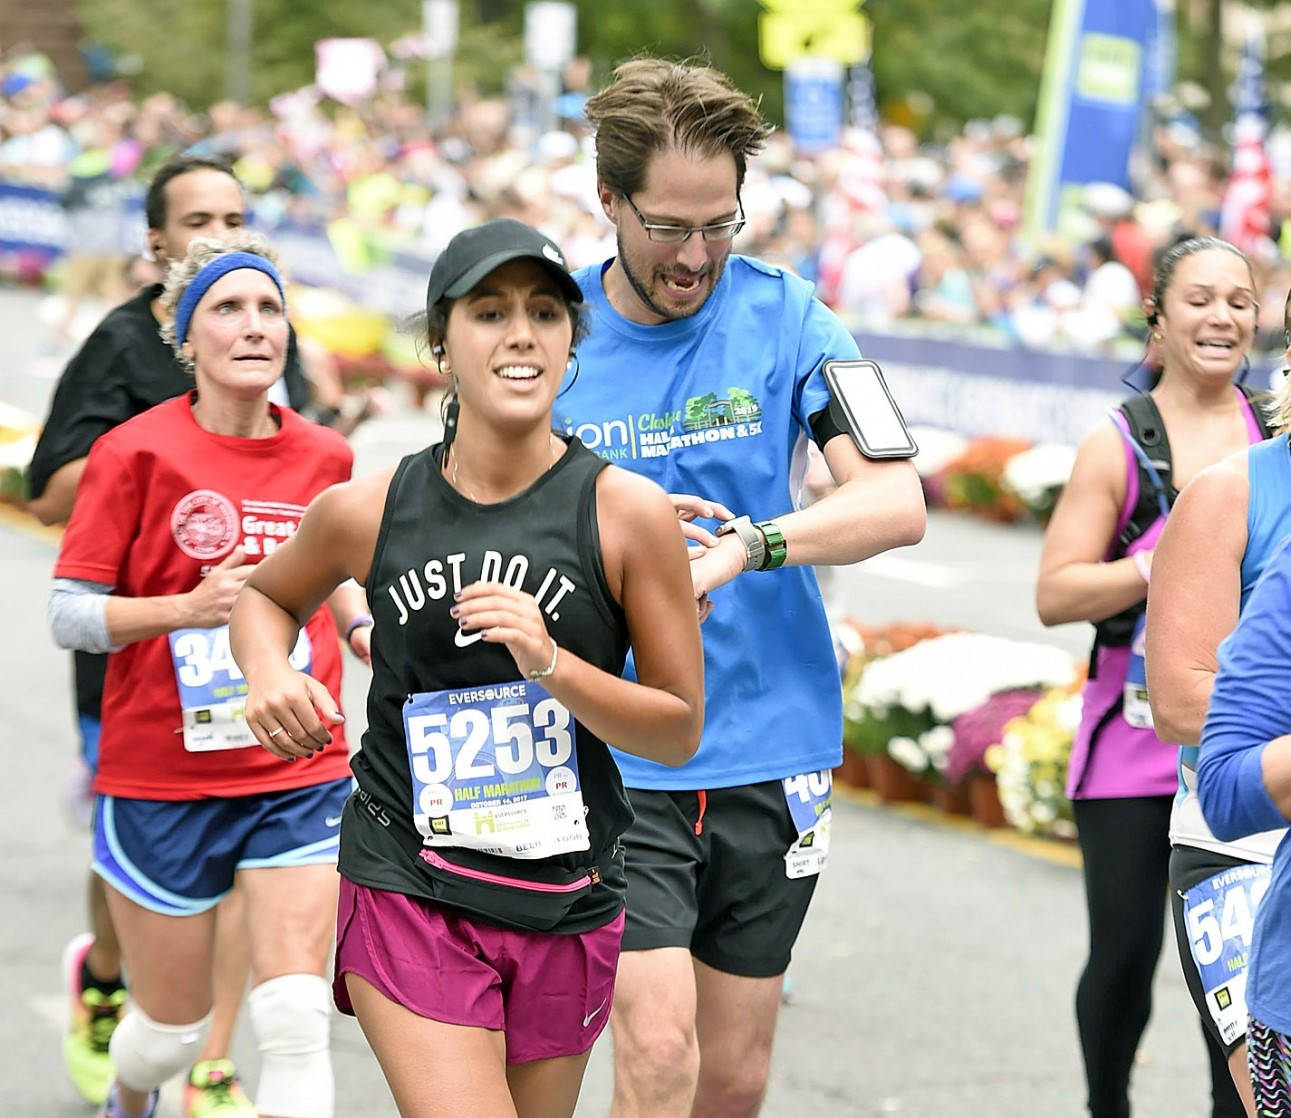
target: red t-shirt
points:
(161, 502)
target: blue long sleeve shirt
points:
(1250, 705)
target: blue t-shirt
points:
(718, 405)
(1249, 707)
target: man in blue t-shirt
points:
(703, 371)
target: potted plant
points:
(972, 480)
(1037, 476)
(867, 731)
(18, 432)
(1030, 764)
(976, 731)
(913, 697)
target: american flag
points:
(1244, 217)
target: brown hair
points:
(652, 105)
(1168, 262)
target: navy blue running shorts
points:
(706, 871)
(179, 857)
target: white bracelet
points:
(543, 673)
(1141, 563)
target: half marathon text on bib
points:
(212, 690)
(495, 768)
(1220, 916)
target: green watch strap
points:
(777, 551)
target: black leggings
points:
(1126, 850)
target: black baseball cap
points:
(475, 252)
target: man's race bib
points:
(495, 769)
(1219, 914)
(212, 690)
(808, 798)
(1136, 709)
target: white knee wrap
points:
(146, 1053)
(291, 1016)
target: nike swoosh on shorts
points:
(588, 1019)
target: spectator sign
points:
(794, 29)
(550, 30)
(813, 104)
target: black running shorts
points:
(706, 871)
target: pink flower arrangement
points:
(978, 729)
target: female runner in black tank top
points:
(508, 572)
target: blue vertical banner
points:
(813, 104)
(1105, 62)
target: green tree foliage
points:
(960, 61)
(182, 44)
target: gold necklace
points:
(554, 444)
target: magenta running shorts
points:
(551, 994)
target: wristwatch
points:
(777, 550)
(755, 544)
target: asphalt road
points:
(936, 970)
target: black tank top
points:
(432, 540)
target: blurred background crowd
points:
(898, 232)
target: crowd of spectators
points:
(897, 233)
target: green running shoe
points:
(93, 1016)
(213, 1090)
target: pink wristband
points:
(1144, 568)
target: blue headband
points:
(218, 268)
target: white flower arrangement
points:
(931, 748)
(954, 673)
(1036, 476)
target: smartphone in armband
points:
(861, 404)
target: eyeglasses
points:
(680, 234)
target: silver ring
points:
(275, 733)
